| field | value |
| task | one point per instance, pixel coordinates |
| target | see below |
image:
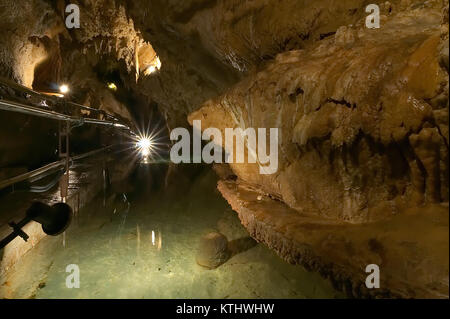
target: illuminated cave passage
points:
(120, 174)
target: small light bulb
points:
(150, 70)
(64, 89)
(144, 143)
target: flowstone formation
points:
(363, 119)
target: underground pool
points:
(143, 244)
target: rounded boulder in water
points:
(213, 250)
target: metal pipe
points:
(28, 175)
(24, 89)
(91, 153)
(32, 110)
(36, 111)
(46, 168)
(102, 122)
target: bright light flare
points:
(149, 145)
(144, 143)
(64, 88)
(145, 152)
(153, 68)
(112, 86)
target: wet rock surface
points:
(364, 142)
(411, 249)
(360, 140)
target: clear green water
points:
(113, 247)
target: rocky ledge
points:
(413, 260)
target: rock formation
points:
(213, 250)
(363, 173)
(364, 137)
(362, 120)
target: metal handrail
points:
(36, 111)
(50, 114)
(48, 167)
(40, 111)
(28, 175)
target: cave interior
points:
(342, 190)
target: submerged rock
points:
(213, 250)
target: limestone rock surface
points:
(212, 250)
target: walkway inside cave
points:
(142, 244)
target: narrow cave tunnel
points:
(236, 149)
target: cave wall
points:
(25, 25)
(40, 53)
(207, 46)
(363, 117)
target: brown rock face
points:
(23, 40)
(411, 249)
(360, 126)
(213, 250)
(363, 120)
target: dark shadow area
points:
(240, 245)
